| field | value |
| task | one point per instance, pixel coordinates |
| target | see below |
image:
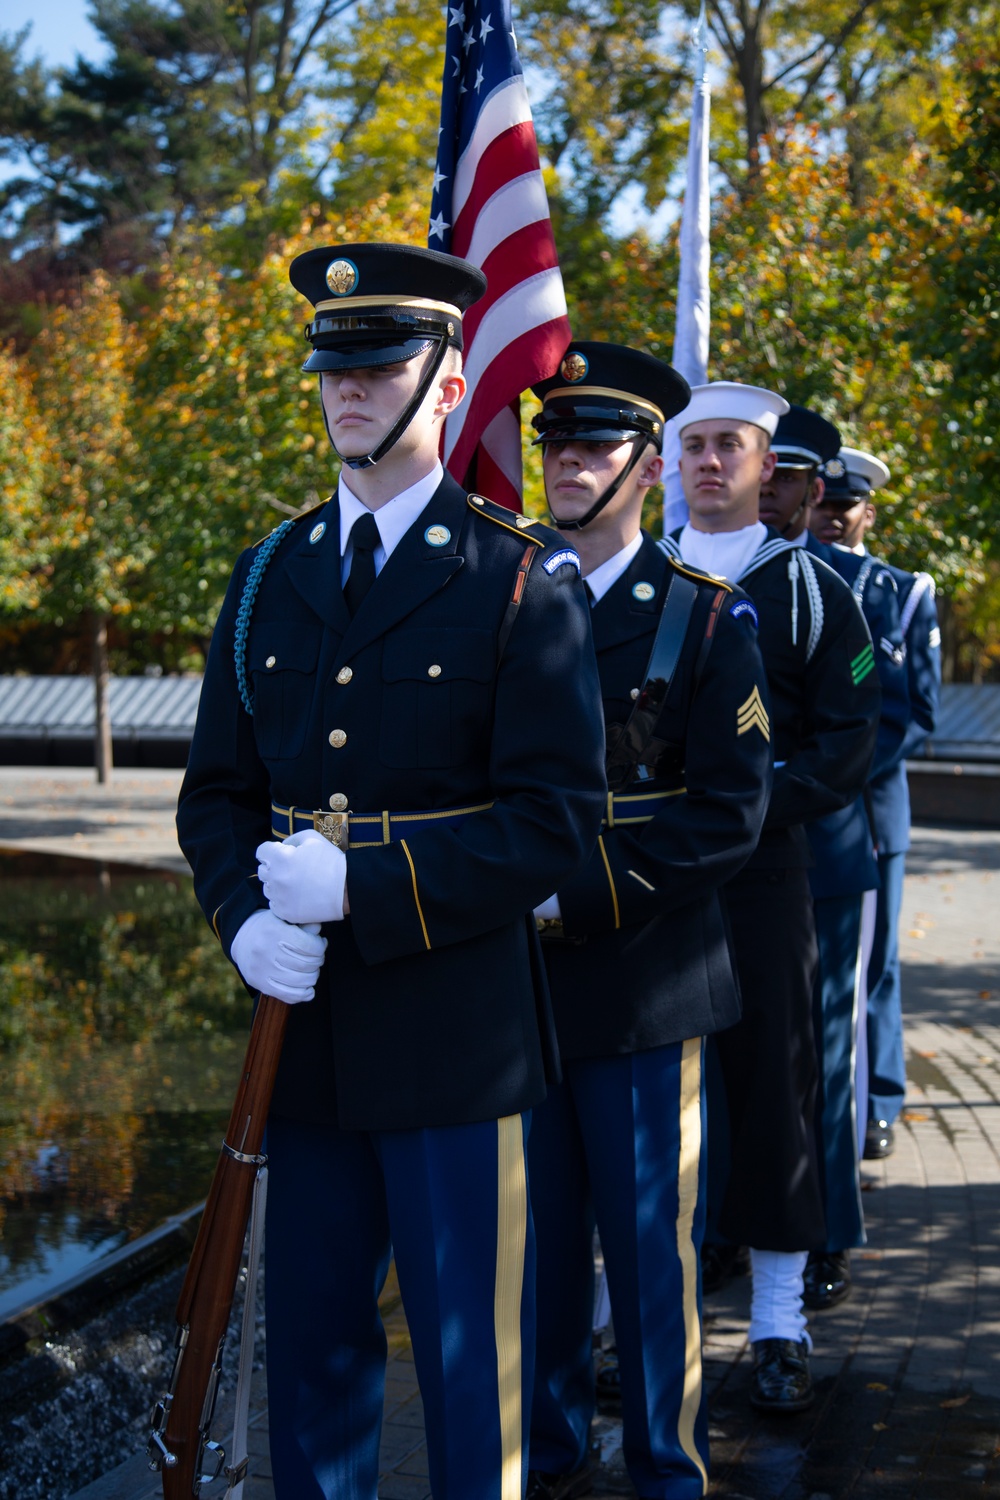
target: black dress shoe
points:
(560, 1486)
(827, 1279)
(720, 1264)
(879, 1140)
(781, 1380)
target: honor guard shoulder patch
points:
(567, 555)
(744, 607)
(522, 526)
(753, 715)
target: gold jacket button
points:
(338, 802)
(344, 675)
(434, 671)
(338, 737)
(270, 661)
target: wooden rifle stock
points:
(180, 1424)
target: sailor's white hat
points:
(728, 400)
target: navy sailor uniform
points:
(825, 699)
(404, 1086)
(640, 971)
(845, 868)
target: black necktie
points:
(590, 594)
(365, 538)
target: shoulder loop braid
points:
(265, 553)
(815, 604)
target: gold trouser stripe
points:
(416, 893)
(512, 1230)
(611, 882)
(687, 1199)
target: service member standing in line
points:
(824, 715)
(399, 739)
(635, 942)
(844, 876)
(842, 520)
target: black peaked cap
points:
(380, 304)
(803, 438)
(604, 392)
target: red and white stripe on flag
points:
(490, 207)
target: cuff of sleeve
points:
(230, 916)
(589, 899)
(387, 917)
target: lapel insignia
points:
(643, 592)
(753, 715)
(437, 536)
(317, 532)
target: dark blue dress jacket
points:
(431, 1008)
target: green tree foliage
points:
(24, 462)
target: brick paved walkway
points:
(907, 1370)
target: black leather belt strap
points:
(638, 738)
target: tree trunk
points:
(102, 699)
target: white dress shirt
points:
(393, 519)
(724, 553)
(601, 579)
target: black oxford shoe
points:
(608, 1383)
(781, 1380)
(827, 1279)
(879, 1140)
(560, 1486)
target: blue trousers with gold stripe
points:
(451, 1206)
(619, 1143)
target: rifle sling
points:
(628, 753)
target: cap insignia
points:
(574, 367)
(342, 277)
(834, 468)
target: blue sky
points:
(59, 29)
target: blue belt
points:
(365, 830)
(636, 807)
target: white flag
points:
(693, 309)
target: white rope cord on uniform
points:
(922, 582)
(815, 605)
(793, 575)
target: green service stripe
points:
(860, 673)
(859, 660)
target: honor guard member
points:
(844, 875)
(824, 714)
(398, 753)
(845, 515)
(635, 942)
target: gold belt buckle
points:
(333, 826)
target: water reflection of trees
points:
(121, 1032)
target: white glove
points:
(303, 878)
(549, 910)
(279, 959)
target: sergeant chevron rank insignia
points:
(753, 715)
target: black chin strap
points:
(402, 422)
(639, 445)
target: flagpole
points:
(693, 315)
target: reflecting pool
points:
(122, 1030)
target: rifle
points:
(179, 1444)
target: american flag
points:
(489, 206)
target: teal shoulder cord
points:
(267, 550)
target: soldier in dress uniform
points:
(824, 713)
(398, 753)
(844, 876)
(842, 519)
(635, 942)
